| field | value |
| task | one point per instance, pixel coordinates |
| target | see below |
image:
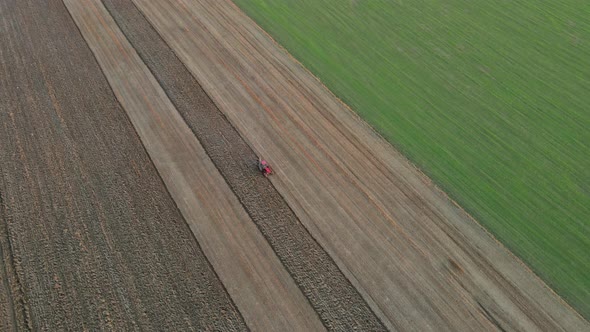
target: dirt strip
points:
(89, 235)
(337, 302)
(262, 289)
(412, 254)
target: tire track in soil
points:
(337, 302)
(98, 242)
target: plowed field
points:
(130, 198)
(337, 302)
(90, 238)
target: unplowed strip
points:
(424, 262)
(264, 292)
(88, 230)
(334, 298)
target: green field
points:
(490, 98)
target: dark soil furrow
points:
(338, 303)
(99, 243)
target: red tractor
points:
(264, 167)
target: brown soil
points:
(334, 298)
(418, 260)
(89, 235)
(129, 200)
(262, 289)
(13, 316)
